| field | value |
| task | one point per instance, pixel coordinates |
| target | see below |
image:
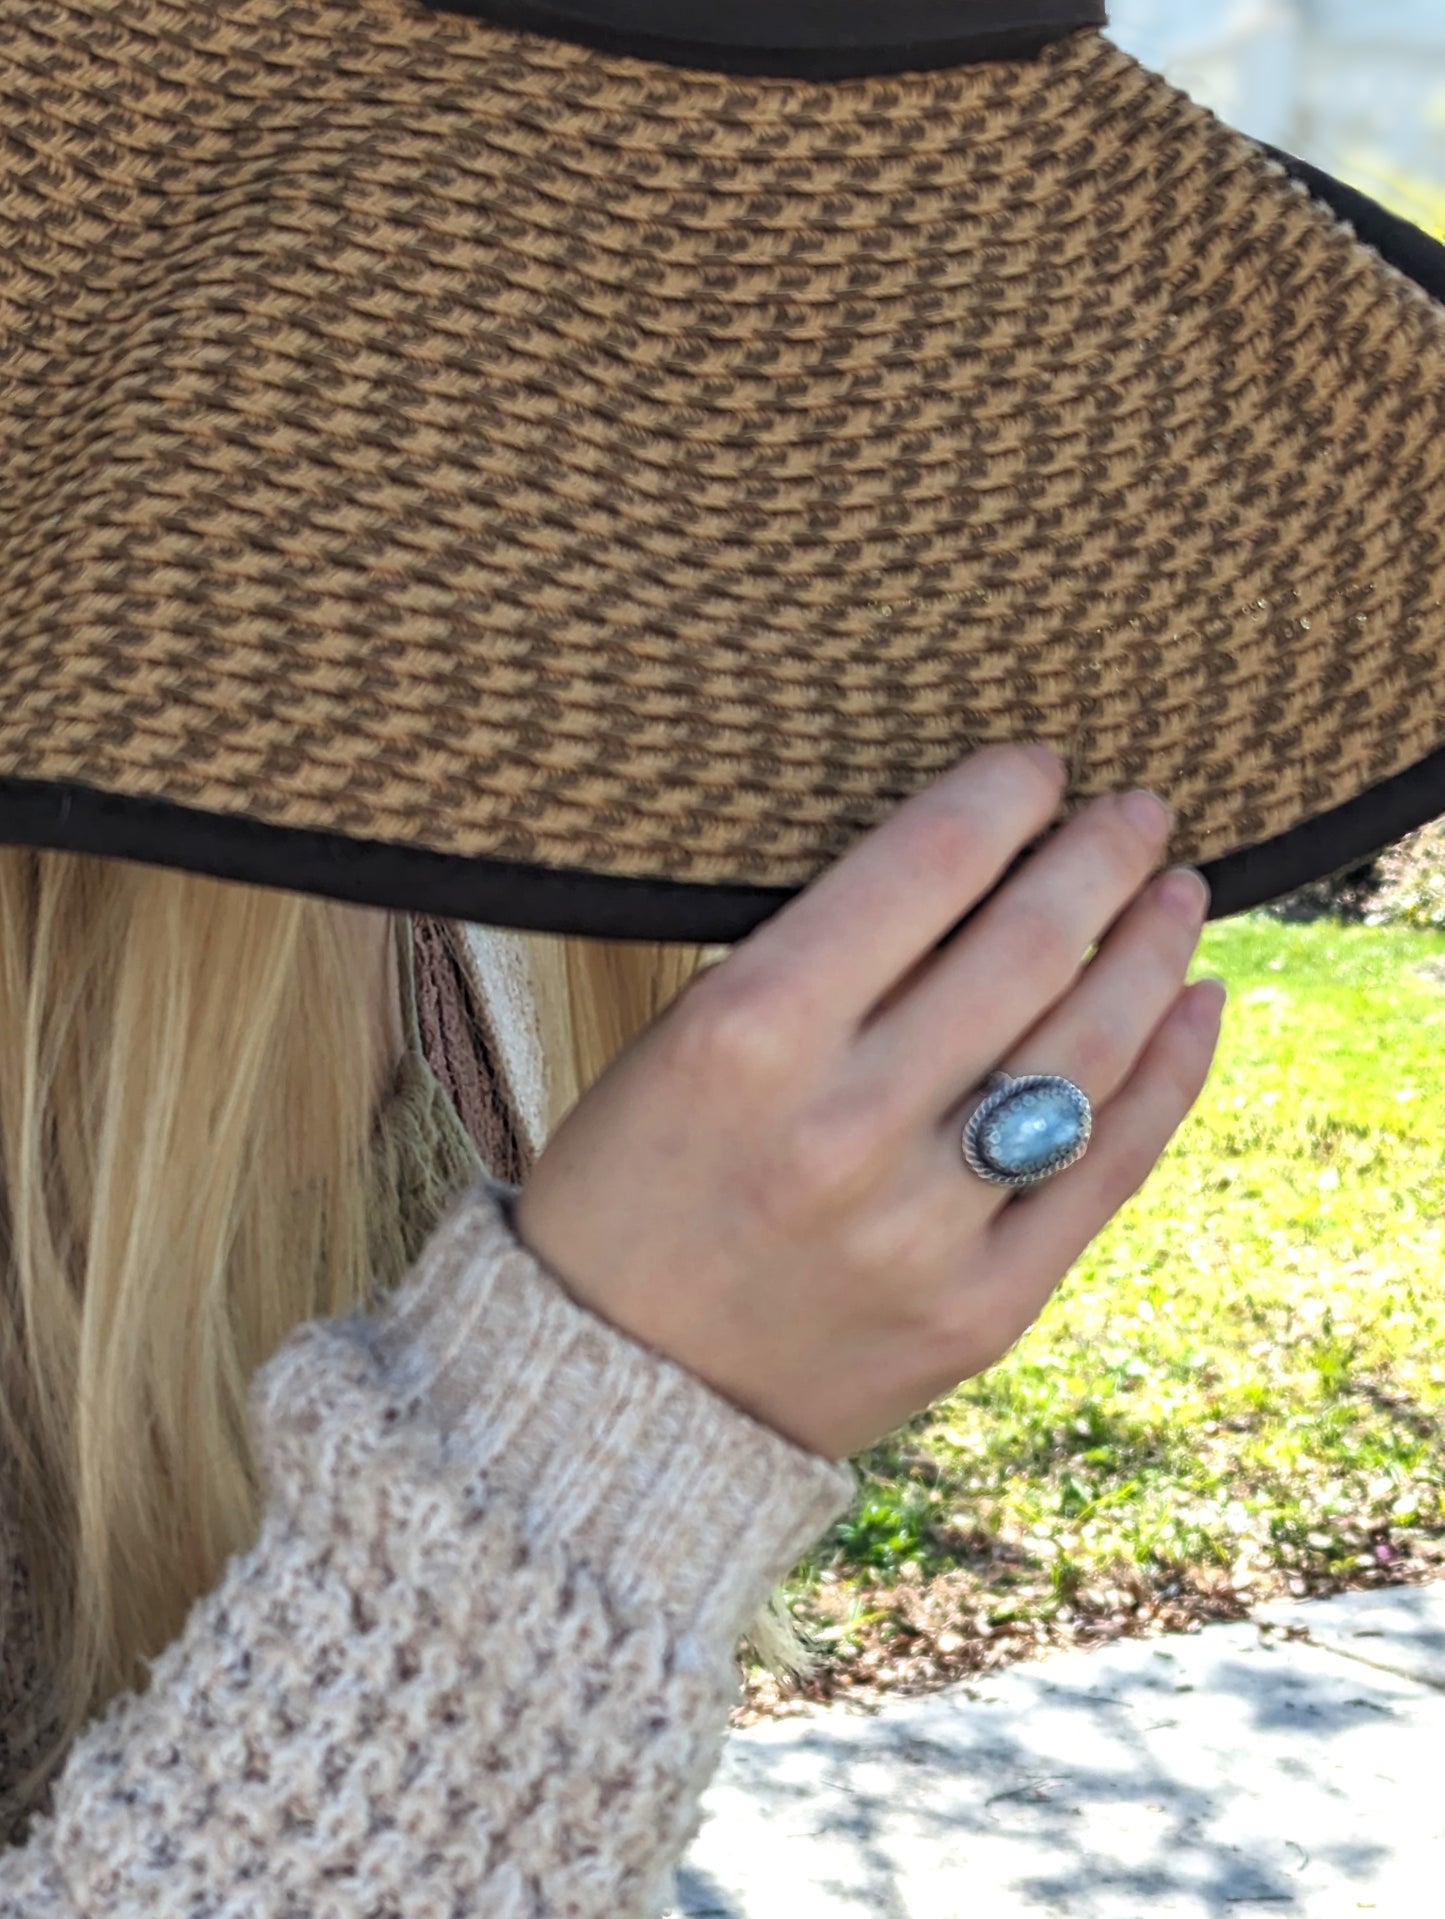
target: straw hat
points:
(580, 468)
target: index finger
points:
(866, 922)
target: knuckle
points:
(1098, 1058)
(947, 841)
(1174, 1059)
(954, 1342)
(1164, 1089)
(1189, 1057)
(1040, 945)
(736, 1026)
(896, 1243)
(1022, 777)
(1129, 1165)
(1129, 846)
(833, 1155)
(772, 1197)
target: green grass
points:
(1237, 1390)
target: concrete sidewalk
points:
(1218, 1775)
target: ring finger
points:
(1095, 1035)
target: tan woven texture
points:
(433, 433)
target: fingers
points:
(846, 940)
(1095, 1035)
(995, 981)
(1034, 1241)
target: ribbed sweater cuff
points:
(680, 1498)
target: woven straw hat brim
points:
(466, 471)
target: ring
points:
(1027, 1128)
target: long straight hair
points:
(187, 1093)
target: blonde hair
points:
(180, 1187)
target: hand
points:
(767, 1185)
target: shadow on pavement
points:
(1086, 1795)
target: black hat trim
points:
(544, 899)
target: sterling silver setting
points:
(1032, 1095)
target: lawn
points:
(1237, 1392)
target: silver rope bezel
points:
(1005, 1088)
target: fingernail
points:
(1047, 757)
(1148, 812)
(1187, 889)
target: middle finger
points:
(1009, 966)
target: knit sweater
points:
(479, 1661)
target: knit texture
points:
(480, 1658)
(466, 1100)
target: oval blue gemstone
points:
(1031, 1129)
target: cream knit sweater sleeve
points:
(479, 1662)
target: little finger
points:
(1033, 1243)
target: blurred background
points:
(1355, 86)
